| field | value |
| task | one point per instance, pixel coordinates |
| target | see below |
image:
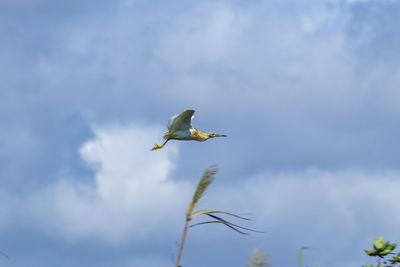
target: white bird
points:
(180, 128)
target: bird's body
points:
(180, 128)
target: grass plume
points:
(206, 179)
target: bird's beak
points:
(221, 135)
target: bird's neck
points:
(199, 135)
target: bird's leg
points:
(160, 146)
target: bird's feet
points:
(157, 147)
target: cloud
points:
(340, 212)
(209, 36)
(293, 83)
(304, 74)
(369, 1)
(132, 198)
(347, 195)
(131, 195)
(149, 262)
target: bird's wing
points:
(181, 121)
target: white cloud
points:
(366, 1)
(305, 86)
(132, 194)
(133, 198)
(314, 20)
(208, 35)
(340, 212)
(342, 195)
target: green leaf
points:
(232, 225)
(371, 252)
(395, 259)
(385, 252)
(200, 223)
(200, 212)
(381, 248)
(378, 244)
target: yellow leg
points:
(159, 146)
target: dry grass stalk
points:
(205, 181)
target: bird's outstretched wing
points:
(181, 122)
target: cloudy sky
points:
(307, 92)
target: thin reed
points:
(205, 181)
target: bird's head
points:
(212, 135)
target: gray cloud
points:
(133, 199)
(293, 84)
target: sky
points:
(307, 92)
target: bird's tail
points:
(167, 135)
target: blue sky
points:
(307, 91)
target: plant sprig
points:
(206, 179)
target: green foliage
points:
(382, 249)
(300, 256)
(258, 259)
(396, 259)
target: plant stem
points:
(301, 258)
(182, 242)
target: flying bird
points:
(180, 128)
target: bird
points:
(180, 128)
